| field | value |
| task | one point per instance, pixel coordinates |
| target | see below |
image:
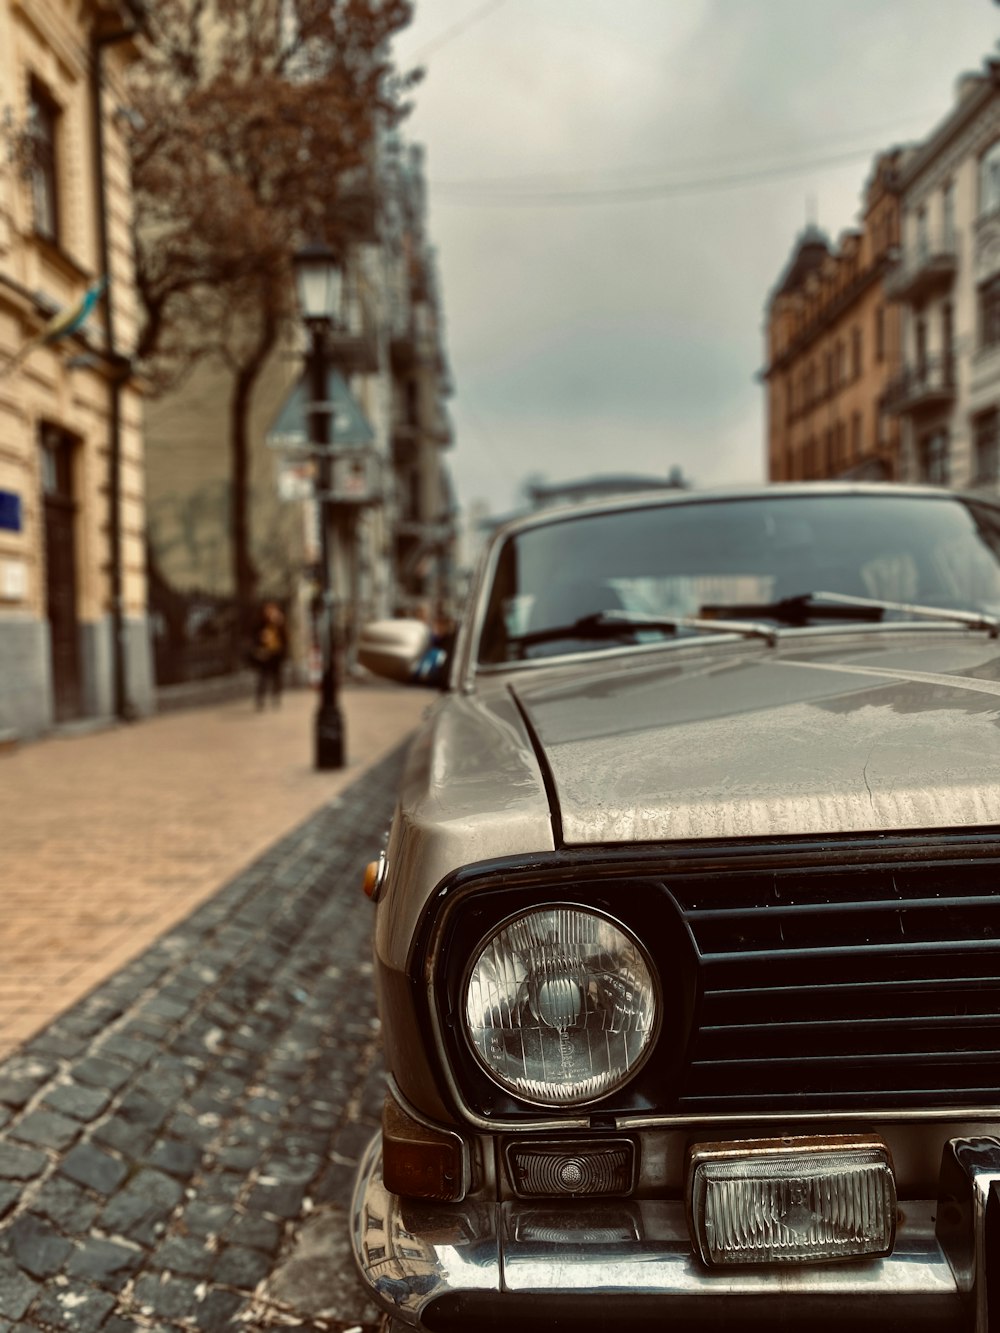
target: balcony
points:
(923, 269)
(352, 346)
(415, 341)
(432, 534)
(929, 384)
(405, 443)
(359, 204)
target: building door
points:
(60, 570)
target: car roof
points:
(673, 496)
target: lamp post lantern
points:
(319, 280)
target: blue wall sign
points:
(10, 511)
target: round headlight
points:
(560, 1006)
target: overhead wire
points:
(456, 29)
(505, 193)
(758, 158)
(637, 193)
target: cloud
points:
(626, 336)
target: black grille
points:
(877, 986)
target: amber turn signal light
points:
(374, 878)
(420, 1162)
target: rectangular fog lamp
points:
(775, 1202)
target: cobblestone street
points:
(111, 838)
(177, 1146)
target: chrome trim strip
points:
(410, 1255)
(624, 1124)
(381, 874)
(842, 1115)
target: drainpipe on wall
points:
(119, 366)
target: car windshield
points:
(571, 585)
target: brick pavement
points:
(176, 1149)
(110, 838)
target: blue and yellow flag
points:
(61, 325)
(67, 321)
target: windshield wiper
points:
(838, 606)
(613, 624)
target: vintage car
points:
(687, 937)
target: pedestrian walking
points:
(270, 648)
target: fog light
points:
(791, 1201)
(571, 1167)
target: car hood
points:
(823, 734)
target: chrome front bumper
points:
(481, 1265)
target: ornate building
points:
(73, 633)
(833, 348)
(425, 531)
(946, 394)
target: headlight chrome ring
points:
(560, 1005)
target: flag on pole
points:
(68, 321)
(61, 325)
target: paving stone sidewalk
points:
(177, 1149)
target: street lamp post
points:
(318, 277)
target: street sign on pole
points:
(345, 425)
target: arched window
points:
(989, 180)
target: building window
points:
(880, 333)
(948, 216)
(989, 313)
(856, 353)
(920, 339)
(43, 117)
(986, 441)
(923, 239)
(934, 458)
(856, 436)
(947, 332)
(989, 180)
(836, 461)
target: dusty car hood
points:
(822, 734)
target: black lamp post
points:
(319, 278)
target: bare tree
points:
(252, 122)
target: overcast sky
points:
(615, 186)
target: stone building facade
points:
(946, 281)
(833, 348)
(73, 631)
(425, 529)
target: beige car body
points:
(872, 730)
